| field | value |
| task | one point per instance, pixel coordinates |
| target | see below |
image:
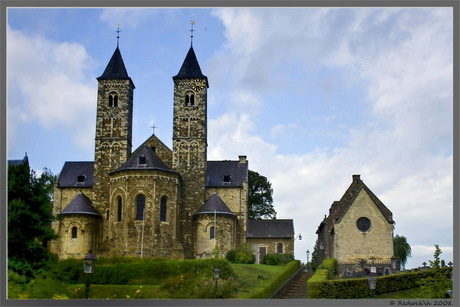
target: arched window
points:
(163, 209)
(140, 201)
(212, 233)
(113, 99)
(189, 100)
(279, 248)
(119, 208)
(74, 232)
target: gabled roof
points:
(214, 205)
(71, 171)
(237, 172)
(81, 204)
(18, 162)
(116, 69)
(270, 229)
(190, 68)
(339, 208)
(144, 158)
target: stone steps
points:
(298, 289)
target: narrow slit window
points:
(140, 202)
(110, 100)
(212, 233)
(192, 100)
(74, 232)
(187, 100)
(279, 248)
(163, 209)
(115, 101)
(120, 203)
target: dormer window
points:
(142, 160)
(227, 179)
(81, 178)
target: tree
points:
(436, 263)
(260, 202)
(29, 218)
(401, 249)
(314, 257)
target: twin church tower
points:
(152, 201)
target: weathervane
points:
(191, 31)
(118, 34)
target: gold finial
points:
(118, 34)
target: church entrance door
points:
(262, 252)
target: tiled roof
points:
(116, 69)
(339, 208)
(81, 204)
(17, 162)
(270, 229)
(190, 68)
(144, 158)
(76, 174)
(226, 174)
(214, 204)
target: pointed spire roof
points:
(190, 68)
(116, 69)
(81, 204)
(214, 204)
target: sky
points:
(310, 95)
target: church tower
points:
(113, 130)
(190, 141)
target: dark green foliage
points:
(267, 291)
(243, 255)
(401, 249)
(260, 200)
(436, 263)
(278, 259)
(314, 257)
(359, 288)
(29, 219)
(331, 265)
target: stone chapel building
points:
(358, 232)
(152, 201)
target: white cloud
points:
(48, 84)
(401, 144)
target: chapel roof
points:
(190, 68)
(144, 158)
(19, 161)
(226, 173)
(339, 208)
(76, 174)
(81, 204)
(116, 69)
(283, 228)
(214, 205)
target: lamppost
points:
(298, 236)
(216, 277)
(372, 281)
(88, 267)
(308, 259)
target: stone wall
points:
(271, 246)
(351, 244)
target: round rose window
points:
(363, 224)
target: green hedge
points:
(278, 259)
(275, 284)
(331, 264)
(358, 287)
(148, 271)
(240, 256)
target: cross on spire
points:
(153, 127)
(191, 31)
(118, 34)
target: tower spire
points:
(191, 32)
(118, 34)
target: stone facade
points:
(154, 201)
(263, 246)
(358, 232)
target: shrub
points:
(242, 256)
(278, 259)
(331, 264)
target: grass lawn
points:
(251, 276)
(118, 291)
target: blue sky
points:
(310, 95)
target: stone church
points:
(358, 232)
(153, 201)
